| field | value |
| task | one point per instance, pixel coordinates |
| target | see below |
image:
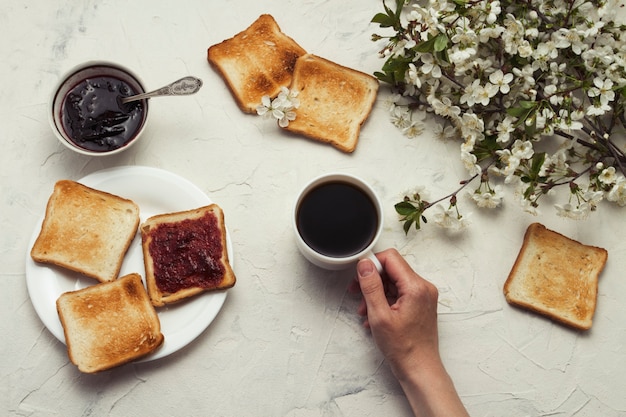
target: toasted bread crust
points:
(161, 297)
(86, 230)
(256, 62)
(109, 324)
(334, 101)
(556, 276)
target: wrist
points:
(430, 390)
(415, 369)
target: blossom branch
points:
(505, 76)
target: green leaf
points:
(405, 208)
(427, 45)
(537, 163)
(406, 226)
(442, 58)
(391, 18)
(441, 42)
(411, 220)
(384, 20)
(516, 111)
(395, 68)
(387, 78)
(486, 148)
(399, 7)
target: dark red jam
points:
(94, 117)
(187, 254)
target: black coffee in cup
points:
(337, 219)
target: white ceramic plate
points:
(155, 191)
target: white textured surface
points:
(288, 341)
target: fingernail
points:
(365, 267)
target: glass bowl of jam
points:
(87, 114)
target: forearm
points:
(431, 393)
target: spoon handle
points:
(184, 86)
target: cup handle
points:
(372, 257)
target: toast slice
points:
(86, 230)
(556, 276)
(256, 62)
(334, 101)
(185, 253)
(109, 324)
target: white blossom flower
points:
(449, 218)
(513, 34)
(570, 211)
(505, 128)
(602, 89)
(445, 108)
(526, 73)
(460, 55)
(430, 66)
(570, 38)
(487, 33)
(469, 160)
(418, 193)
(288, 99)
(524, 49)
(529, 205)
(444, 132)
(549, 90)
(523, 149)
(483, 94)
(542, 55)
(617, 193)
(555, 165)
(488, 199)
(280, 108)
(598, 109)
(464, 35)
(400, 116)
(288, 116)
(566, 122)
(511, 162)
(501, 80)
(607, 176)
(429, 17)
(494, 11)
(472, 125)
(593, 198)
(593, 27)
(412, 76)
(469, 93)
(415, 128)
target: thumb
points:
(371, 286)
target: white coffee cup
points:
(337, 219)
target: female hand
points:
(401, 310)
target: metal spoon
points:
(184, 86)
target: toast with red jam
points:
(185, 254)
(109, 324)
(256, 62)
(86, 230)
(556, 276)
